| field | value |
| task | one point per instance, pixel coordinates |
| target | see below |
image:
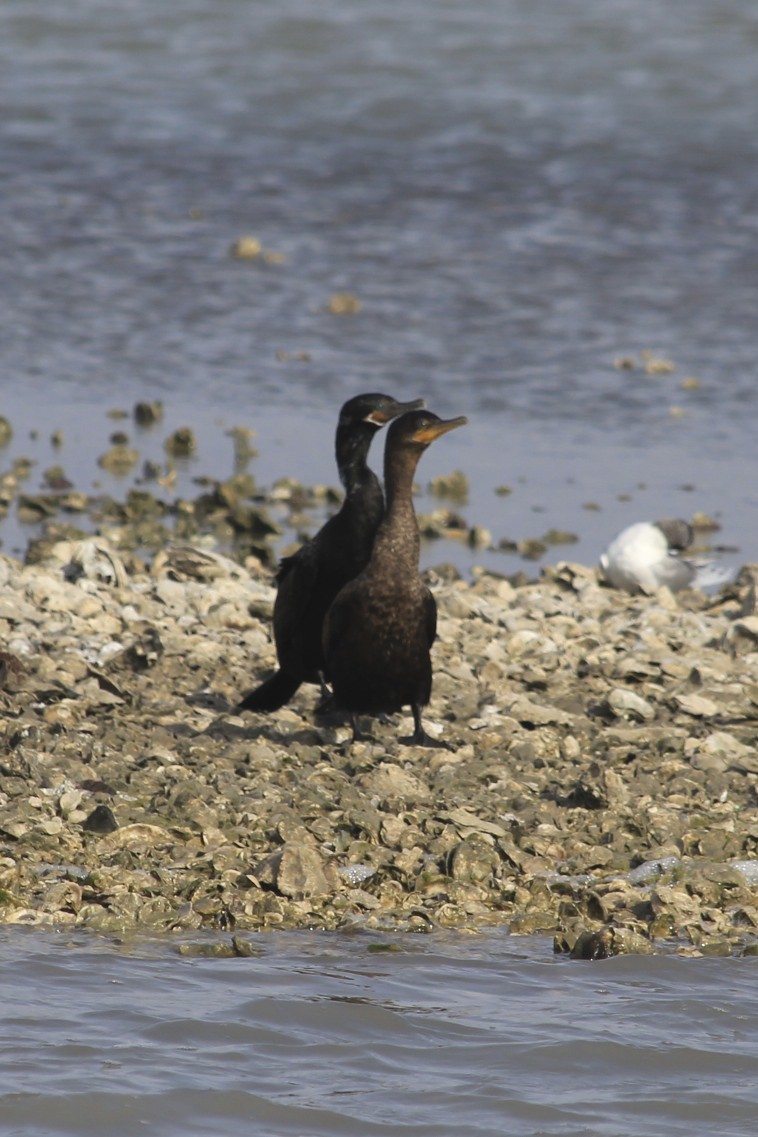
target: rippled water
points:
(518, 193)
(325, 1035)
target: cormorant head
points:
(375, 409)
(420, 428)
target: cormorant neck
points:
(399, 470)
(351, 449)
(398, 536)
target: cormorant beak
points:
(380, 417)
(433, 430)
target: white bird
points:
(645, 556)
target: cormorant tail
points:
(272, 694)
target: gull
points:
(647, 556)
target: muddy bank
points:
(600, 783)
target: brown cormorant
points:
(309, 580)
(381, 626)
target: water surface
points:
(324, 1035)
(518, 193)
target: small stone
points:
(390, 782)
(356, 874)
(538, 714)
(697, 706)
(101, 820)
(69, 802)
(627, 704)
(52, 826)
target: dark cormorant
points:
(378, 631)
(309, 580)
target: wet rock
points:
(119, 460)
(474, 859)
(246, 247)
(455, 486)
(343, 304)
(182, 443)
(148, 412)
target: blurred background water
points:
(519, 194)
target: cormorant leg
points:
(326, 703)
(358, 735)
(419, 736)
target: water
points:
(320, 1035)
(519, 193)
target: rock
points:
(119, 459)
(390, 782)
(474, 859)
(464, 819)
(537, 714)
(300, 872)
(742, 636)
(136, 837)
(627, 704)
(246, 248)
(101, 820)
(343, 304)
(697, 705)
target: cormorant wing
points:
(336, 622)
(430, 617)
(296, 578)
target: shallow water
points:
(323, 1034)
(519, 193)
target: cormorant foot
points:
(358, 735)
(326, 705)
(421, 738)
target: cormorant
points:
(309, 580)
(380, 628)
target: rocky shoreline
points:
(599, 786)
